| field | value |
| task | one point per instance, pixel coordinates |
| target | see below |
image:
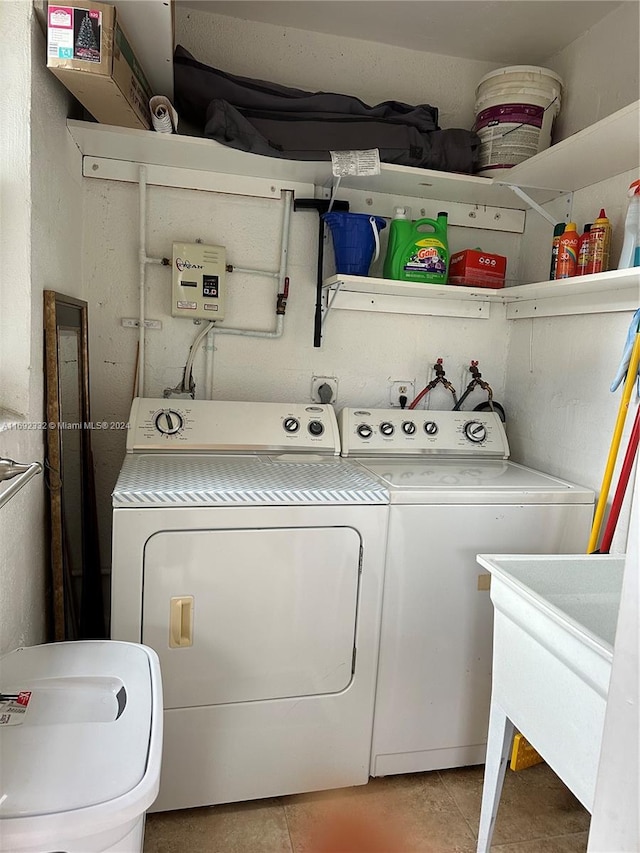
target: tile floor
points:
(434, 812)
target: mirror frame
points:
(83, 619)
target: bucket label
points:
(509, 134)
(429, 256)
(510, 114)
(13, 707)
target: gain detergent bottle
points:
(417, 250)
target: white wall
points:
(615, 824)
(315, 61)
(559, 369)
(600, 70)
(39, 248)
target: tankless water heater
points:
(198, 281)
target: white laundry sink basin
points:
(554, 632)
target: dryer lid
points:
(78, 732)
(206, 480)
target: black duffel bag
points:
(279, 121)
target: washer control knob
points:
(169, 422)
(387, 428)
(408, 428)
(431, 427)
(316, 428)
(364, 431)
(475, 431)
(291, 425)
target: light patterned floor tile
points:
(535, 804)
(565, 844)
(255, 827)
(397, 814)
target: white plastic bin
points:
(515, 109)
(81, 746)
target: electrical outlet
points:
(401, 388)
(316, 384)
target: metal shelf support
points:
(531, 203)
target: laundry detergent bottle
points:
(398, 233)
(417, 250)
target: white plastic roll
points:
(163, 114)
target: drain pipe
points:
(142, 263)
(143, 260)
(283, 293)
(281, 275)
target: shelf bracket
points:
(331, 298)
(320, 206)
(533, 204)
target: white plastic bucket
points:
(515, 110)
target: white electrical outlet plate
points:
(132, 323)
(318, 381)
(404, 388)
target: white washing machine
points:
(250, 557)
(453, 495)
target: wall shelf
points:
(617, 290)
(605, 149)
(608, 148)
(111, 152)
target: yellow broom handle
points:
(615, 444)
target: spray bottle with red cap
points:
(599, 244)
(630, 254)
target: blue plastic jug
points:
(355, 240)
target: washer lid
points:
(471, 481)
(77, 732)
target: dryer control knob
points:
(475, 431)
(364, 431)
(386, 428)
(408, 428)
(316, 428)
(291, 425)
(169, 422)
(431, 427)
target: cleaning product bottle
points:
(557, 233)
(567, 252)
(630, 255)
(583, 250)
(416, 254)
(400, 215)
(599, 243)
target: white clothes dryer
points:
(453, 494)
(251, 557)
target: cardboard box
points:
(478, 269)
(89, 52)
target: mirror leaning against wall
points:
(75, 578)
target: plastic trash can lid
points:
(75, 725)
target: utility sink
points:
(555, 622)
